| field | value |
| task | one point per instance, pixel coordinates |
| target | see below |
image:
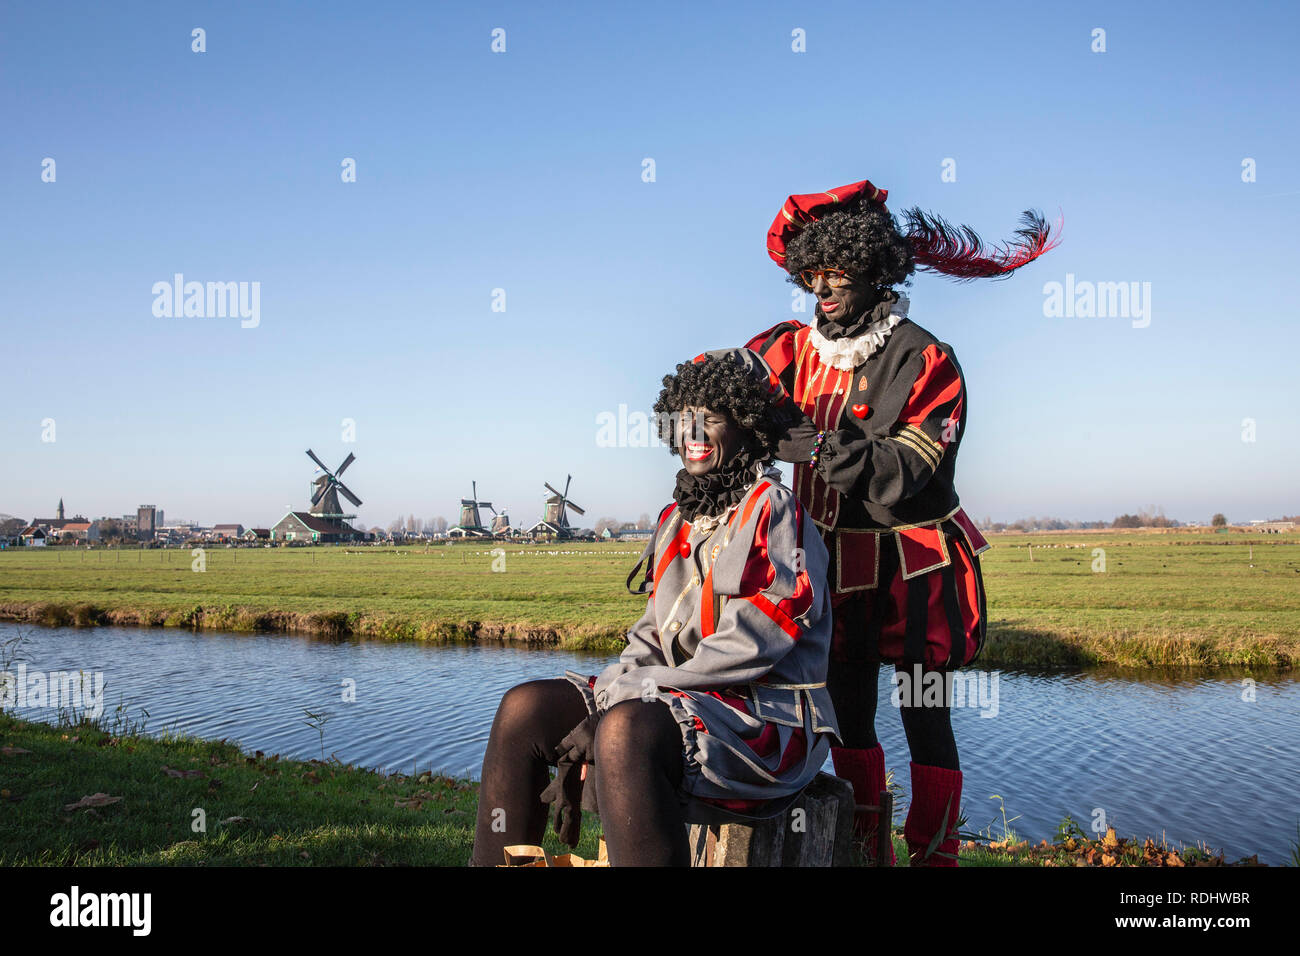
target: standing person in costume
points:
(875, 454)
(721, 693)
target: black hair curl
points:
(862, 239)
(723, 385)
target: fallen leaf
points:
(1110, 839)
(173, 772)
(230, 820)
(414, 802)
(94, 800)
(1108, 860)
(13, 751)
(1174, 859)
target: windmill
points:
(471, 521)
(326, 490)
(501, 522)
(555, 519)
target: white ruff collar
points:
(847, 354)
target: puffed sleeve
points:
(777, 346)
(764, 581)
(891, 468)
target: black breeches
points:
(928, 728)
(639, 775)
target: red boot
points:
(931, 827)
(865, 770)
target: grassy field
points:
(88, 796)
(1163, 599)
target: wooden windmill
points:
(471, 520)
(555, 518)
(326, 489)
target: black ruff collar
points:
(710, 495)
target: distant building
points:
(54, 526)
(629, 532)
(227, 531)
(1274, 527)
(33, 536)
(257, 534)
(301, 526)
(146, 522)
(80, 530)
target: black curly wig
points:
(862, 239)
(722, 384)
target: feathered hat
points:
(938, 246)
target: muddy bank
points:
(336, 624)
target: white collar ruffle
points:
(849, 353)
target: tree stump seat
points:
(815, 830)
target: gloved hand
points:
(565, 791)
(795, 443)
(580, 745)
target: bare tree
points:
(603, 523)
(643, 522)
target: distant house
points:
(257, 534)
(300, 526)
(33, 536)
(227, 532)
(79, 530)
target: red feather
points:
(959, 252)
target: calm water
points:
(1186, 757)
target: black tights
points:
(638, 756)
(853, 692)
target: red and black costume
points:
(886, 408)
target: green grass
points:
(261, 810)
(1178, 599)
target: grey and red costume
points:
(735, 640)
(887, 403)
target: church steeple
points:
(60, 515)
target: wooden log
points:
(816, 831)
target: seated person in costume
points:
(720, 695)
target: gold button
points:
(675, 626)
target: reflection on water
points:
(1187, 757)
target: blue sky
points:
(522, 171)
